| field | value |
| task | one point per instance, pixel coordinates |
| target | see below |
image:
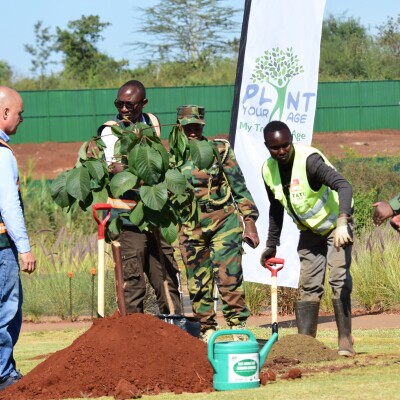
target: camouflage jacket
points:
(230, 169)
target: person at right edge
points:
(387, 209)
(301, 180)
(212, 248)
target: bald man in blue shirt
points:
(13, 238)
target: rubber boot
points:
(307, 317)
(342, 310)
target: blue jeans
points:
(10, 310)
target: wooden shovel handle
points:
(119, 281)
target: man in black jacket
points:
(300, 180)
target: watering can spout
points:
(267, 347)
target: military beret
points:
(190, 115)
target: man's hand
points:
(267, 253)
(28, 262)
(343, 235)
(395, 223)
(116, 167)
(250, 235)
(382, 212)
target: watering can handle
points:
(224, 332)
(274, 265)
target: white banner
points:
(277, 79)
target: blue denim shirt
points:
(10, 204)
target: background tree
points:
(186, 30)
(345, 46)
(83, 63)
(388, 45)
(41, 51)
(5, 73)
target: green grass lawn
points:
(372, 374)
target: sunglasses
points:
(128, 104)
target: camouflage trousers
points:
(212, 252)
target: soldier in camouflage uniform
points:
(212, 249)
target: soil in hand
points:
(125, 357)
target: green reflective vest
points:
(316, 211)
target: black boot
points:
(307, 317)
(342, 310)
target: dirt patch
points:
(300, 349)
(49, 159)
(123, 357)
(377, 143)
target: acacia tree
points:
(186, 30)
(389, 35)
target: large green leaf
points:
(176, 181)
(58, 190)
(82, 153)
(202, 153)
(95, 168)
(132, 156)
(137, 214)
(78, 183)
(154, 196)
(158, 217)
(115, 226)
(148, 165)
(100, 196)
(179, 145)
(164, 155)
(122, 182)
(170, 233)
(146, 130)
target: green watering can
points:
(237, 364)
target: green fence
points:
(74, 115)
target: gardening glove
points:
(250, 235)
(267, 253)
(343, 235)
(382, 212)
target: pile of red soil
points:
(125, 357)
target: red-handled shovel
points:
(100, 246)
(274, 265)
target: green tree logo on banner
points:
(277, 67)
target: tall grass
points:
(63, 284)
(376, 269)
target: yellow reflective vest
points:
(315, 211)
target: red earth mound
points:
(125, 357)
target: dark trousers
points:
(140, 257)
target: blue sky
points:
(19, 17)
